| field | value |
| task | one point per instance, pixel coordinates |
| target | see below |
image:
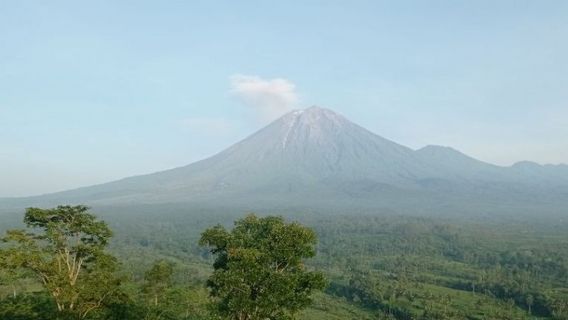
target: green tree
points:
(28, 307)
(530, 301)
(259, 271)
(64, 248)
(10, 274)
(158, 280)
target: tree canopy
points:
(259, 271)
(379, 267)
(64, 248)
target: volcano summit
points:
(317, 160)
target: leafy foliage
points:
(64, 249)
(259, 273)
(378, 266)
(158, 280)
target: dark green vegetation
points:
(259, 272)
(377, 266)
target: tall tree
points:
(259, 271)
(158, 280)
(64, 248)
(10, 274)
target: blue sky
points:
(92, 91)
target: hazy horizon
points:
(98, 92)
(294, 113)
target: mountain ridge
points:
(314, 154)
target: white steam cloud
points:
(269, 98)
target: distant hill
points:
(317, 160)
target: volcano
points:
(317, 160)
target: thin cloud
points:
(269, 98)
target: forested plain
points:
(377, 266)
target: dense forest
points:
(166, 266)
